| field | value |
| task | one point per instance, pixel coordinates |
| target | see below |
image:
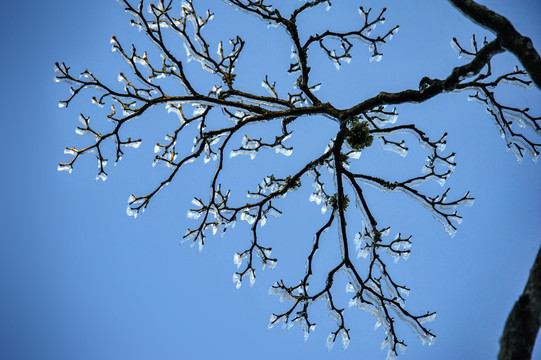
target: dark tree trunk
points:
(523, 322)
(509, 37)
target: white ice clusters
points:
(277, 290)
(318, 196)
(304, 325)
(271, 264)
(191, 54)
(393, 33)
(101, 176)
(372, 292)
(383, 118)
(372, 304)
(363, 245)
(97, 103)
(199, 109)
(196, 237)
(281, 149)
(132, 205)
(461, 53)
(132, 144)
(376, 58)
(265, 255)
(266, 86)
(399, 148)
(246, 216)
(249, 147)
(352, 154)
(67, 168)
(251, 153)
(237, 280)
(331, 338)
(269, 184)
(209, 154)
(517, 82)
(363, 15)
(398, 248)
(273, 321)
(237, 258)
(315, 88)
(175, 107)
(437, 207)
(436, 211)
(501, 120)
(142, 60)
(70, 152)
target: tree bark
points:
(510, 38)
(522, 325)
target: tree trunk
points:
(522, 325)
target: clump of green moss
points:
(228, 79)
(390, 185)
(358, 136)
(333, 201)
(293, 185)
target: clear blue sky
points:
(81, 280)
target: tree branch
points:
(510, 38)
(434, 86)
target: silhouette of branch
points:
(509, 37)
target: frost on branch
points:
(512, 122)
(333, 176)
(345, 40)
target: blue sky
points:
(81, 280)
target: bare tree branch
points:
(509, 37)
